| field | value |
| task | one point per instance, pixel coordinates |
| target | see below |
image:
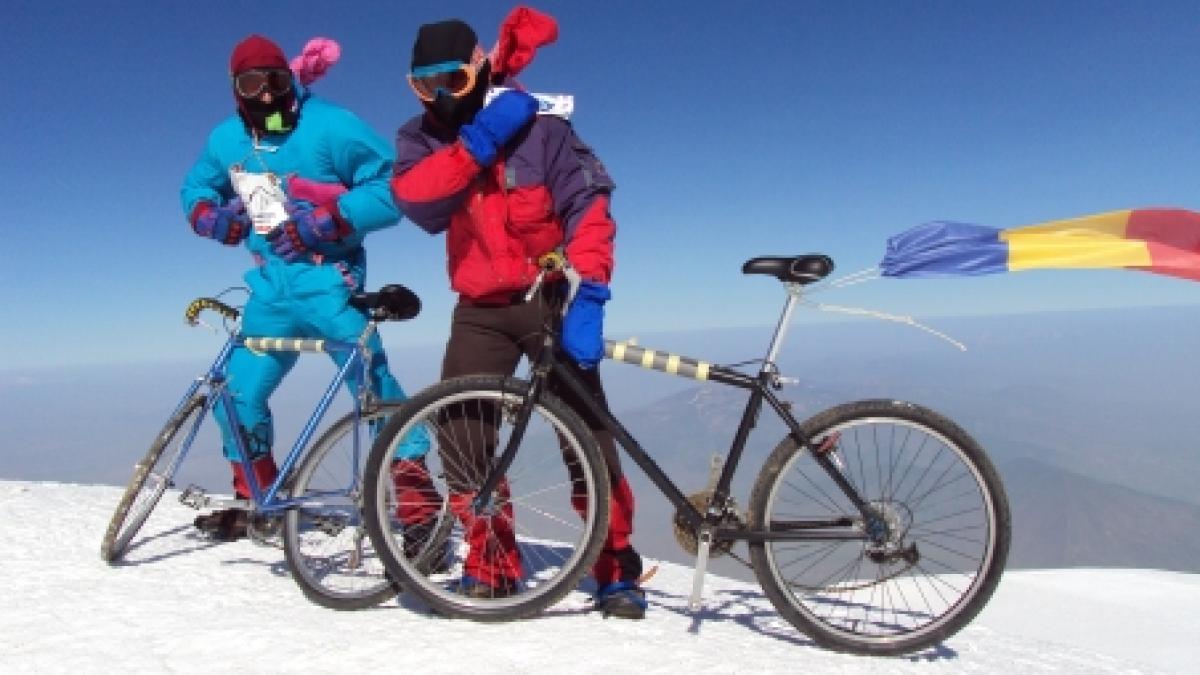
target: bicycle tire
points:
(557, 544)
(323, 536)
(948, 521)
(138, 502)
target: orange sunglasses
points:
(453, 78)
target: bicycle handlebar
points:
(390, 303)
(192, 313)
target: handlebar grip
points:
(554, 261)
(192, 313)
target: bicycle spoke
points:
(928, 559)
(534, 523)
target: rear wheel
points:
(924, 561)
(534, 538)
(324, 538)
(151, 477)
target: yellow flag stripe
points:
(1077, 250)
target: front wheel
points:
(151, 477)
(324, 539)
(922, 561)
(512, 553)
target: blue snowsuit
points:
(328, 145)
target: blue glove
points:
(227, 224)
(496, 124)
(307, 230)
(583, 326)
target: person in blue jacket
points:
(300, 182)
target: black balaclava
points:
(451, 40)
(281, 113)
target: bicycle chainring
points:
(686, 536)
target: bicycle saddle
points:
(800, 269)
(390, 303)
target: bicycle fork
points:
(484, 500)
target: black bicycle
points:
(874, 527)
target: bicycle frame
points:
(266, 497)
(761, 389)
(707, 525)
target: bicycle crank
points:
(264, 529)
(686, 536)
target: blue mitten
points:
(227, 224)
(496, 124)
(583, 326)
(306, 230)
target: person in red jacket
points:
(507, 186)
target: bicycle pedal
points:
(265, 530)
(195, 497)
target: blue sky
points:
(732, 130)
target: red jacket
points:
(546, 190)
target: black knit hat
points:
(450, 40)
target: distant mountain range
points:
(1090, 417)
(1061, 519)
(1087, 415)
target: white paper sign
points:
(558, 105)
(263, 195)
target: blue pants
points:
(286, 304)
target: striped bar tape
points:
(269, 344)
(192, 313)
(648, 358)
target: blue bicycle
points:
(315, 500)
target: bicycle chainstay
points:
(816, 589)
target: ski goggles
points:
(453, 78)
(252, 83)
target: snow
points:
(184, 604)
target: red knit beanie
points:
(256, 51)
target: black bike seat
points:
(392, 303)
(800, 269)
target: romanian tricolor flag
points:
(1163, 241)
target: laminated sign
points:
(263, 195)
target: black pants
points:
(490, 340)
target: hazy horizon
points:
(1101, 400)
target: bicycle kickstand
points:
(696, 601)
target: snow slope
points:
(184, 604)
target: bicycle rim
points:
(325, 540)
(151, 478)
(533, 537)
(945, 513)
